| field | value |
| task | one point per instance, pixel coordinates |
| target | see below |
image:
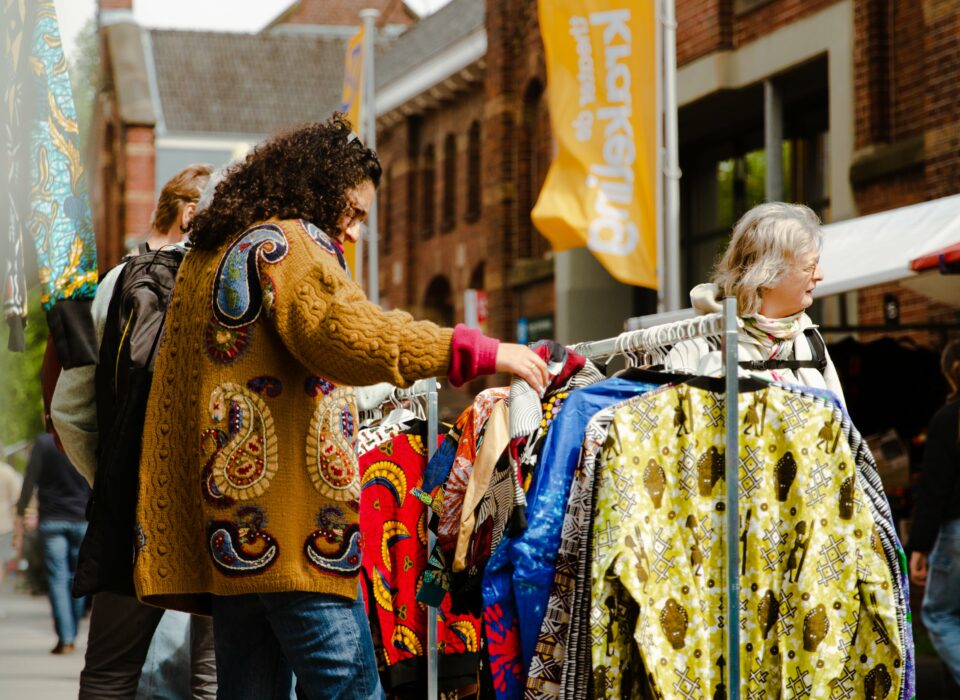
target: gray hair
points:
(216, 177)
(767, 241)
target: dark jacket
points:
(937, 496)
(63, 493)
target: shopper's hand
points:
(918, 568)
(525, 363)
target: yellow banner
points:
(601, 190)
(350, 101)
(352, 94)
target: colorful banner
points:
(601, 190)
(352, 94)
(350, 101)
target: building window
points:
(449, 183)
(473, 173)
(534, 160)
(428, 183)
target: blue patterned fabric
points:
(60, 220)
(518, 577)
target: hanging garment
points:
(817, 613)
(518, 577)
(444, 485)
(876, 499)
(568, 605)
(60, 221)
(393, 526)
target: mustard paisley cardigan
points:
(248, 474)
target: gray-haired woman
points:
(771, 266)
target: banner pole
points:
(369, 112)
(671, 173)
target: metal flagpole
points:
(369, 116)
(671, 172)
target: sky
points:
(217, 15)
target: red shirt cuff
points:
(472, 354)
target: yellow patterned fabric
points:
(249, 480)
(816, 607)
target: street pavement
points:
(28, 670)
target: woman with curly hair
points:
(249, 485)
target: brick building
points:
(171, 98)
(858, 118)
(861, 96)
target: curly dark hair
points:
(301, 174)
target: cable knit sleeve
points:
(329, 325)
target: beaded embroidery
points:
(237, 291)
(325, 242)
(244, 547)
(334, 547)
(265, 384)
(244, 465)
(331, 447)
(225, 345)
(314, 386)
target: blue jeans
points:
(941, 600)
(61, 543)
(263, 639)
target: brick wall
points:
(345, 12)
(914, 309)
(116, 4)
(703, 26)
(941, 105)
(767, 17)
(897, 190)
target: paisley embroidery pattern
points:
(334, 547)
(325, 242)
(237, 290)
(211, 442)
(265, 384)
(314, 386)
(244, 547)
(244, 465)
(331, 447)
(225, 345)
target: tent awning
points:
(879, 248)
(946, 257)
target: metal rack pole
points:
(730, 359)
(432, 656)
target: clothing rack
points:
(724, 326)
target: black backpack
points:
(134, 325)
(818, 355)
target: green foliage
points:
(20, 397)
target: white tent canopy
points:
(878, 248)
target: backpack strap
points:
(818, 357)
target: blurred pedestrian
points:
(62, 495)
(935, 531)
(10, 484)
(122, 628)
(266, 335)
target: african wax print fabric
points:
(517, 580)
(876, 498)
(818, 614)
(393, 525)
(60, 217)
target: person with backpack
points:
(771, 266)
(249, 482)
(99, 412)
